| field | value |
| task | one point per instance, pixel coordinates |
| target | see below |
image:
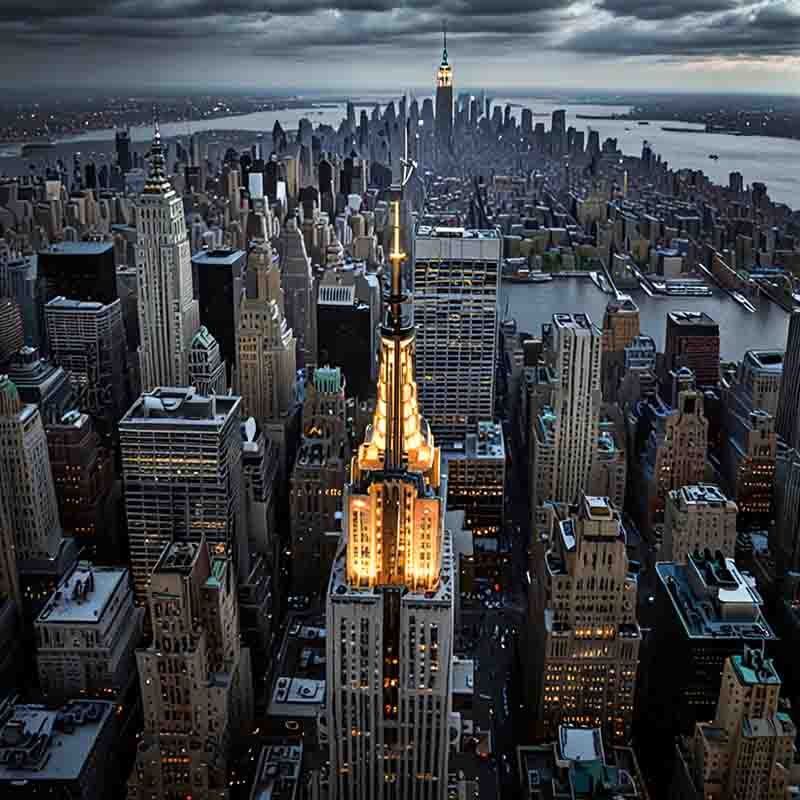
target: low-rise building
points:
(67, 752)
(87, 633)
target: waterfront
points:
(758, 158)
(739, 330)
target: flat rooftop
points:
(702, 494)
(39, 744)
(180, 405)
(278, 772)
(717, 603)
(77, 248)
(82, 595)
(692, 318)
(768, 360)
(574, 322)
(219, 257)
(64, 304)
(299, 688)
(178, 557)
(445, 232)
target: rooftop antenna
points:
(444, 49)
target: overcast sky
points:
(372, 44)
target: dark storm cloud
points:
(758, 29)
(664, 9)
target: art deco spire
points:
(157, 178)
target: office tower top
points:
(206, 368)
(590, 634)
(78, 271)
(391, 598)
(182, 462)
(168, 313)
(693, 341)
(456, 284)
(787, 417)
(748, 751)
(298, 288)
(444, 99)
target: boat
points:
(743, 301)
(642, 122)
(714, 157)
(680, 288)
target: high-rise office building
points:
(206, 368)
(219, 281)
(787, 416)
(620, 330)
(78, 271)
(317, 482)
(558, 132)
(12, 332)
(297, 280)
(444, 101)
(122, 140)
(748, 752)
(456, 284)
(566, 433)
(182, 465)
(267, 353)
(391, 600)
(168, 313)
(83, 473)
(88, 340)
(588, 634)
(42, 383)
(195, 677)
(693, 341)
(698, 518)
(476, 480)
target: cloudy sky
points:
(373, 44)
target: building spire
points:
(444, 48)
(157, 177)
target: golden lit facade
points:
(589, 635)
(391, 600)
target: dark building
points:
(344, 337)
(123, 146)
(218, 276)
(706, 611)
(78, 271)
(693, 341)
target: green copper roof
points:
(203, 337)
(8, 387)
(754, 669)
(328, 380)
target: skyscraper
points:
(748, 751)
(168, 314)
(390, 605)
(298, 288)
(267, 360)
(182, 464)
(195, 677)
(444, 100)
(693, 342)
(787, 417)
(565, 436)
(456, 281)
(588, 634)
(318, 479)
(206, 368)
(78, 271)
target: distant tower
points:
(168, 314)
(444, 99)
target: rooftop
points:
(38, 744)
(713, 600)
(65, 304)
(83, 594)
(768, 360)
(754, 669)
(574, 322)
(299, 689)
(219, 257)
(443, 232)
(701, 494)
(691, 318)
(278, 772)
(77, 248)
(178, 557)
(180, 405)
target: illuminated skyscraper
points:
(168, 314)
(444, 100)
(390, 605)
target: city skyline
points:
(721, 45)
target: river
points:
(758, 158)
(533, 304)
